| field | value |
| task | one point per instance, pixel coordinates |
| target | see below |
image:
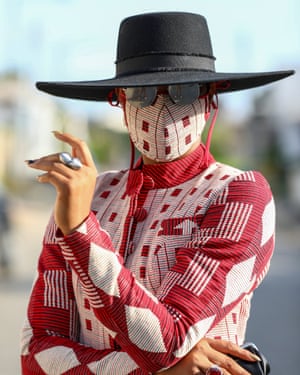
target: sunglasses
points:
(141, 97)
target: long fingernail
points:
(57, 133)
(254, 356)
(30, 161)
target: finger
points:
(233, 367)
(230, 348)
(194, 363)
(50, 157)
(201, 363)
(51, 163)
(79, 147)
(225, 372)
(54, 178)
(226, 363)
(59, 161)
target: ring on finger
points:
(75, 163)
(66, 159)
(214, 370)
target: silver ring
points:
(214, 370)
(66, 159)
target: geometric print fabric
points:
(192, 270)
(65, 360)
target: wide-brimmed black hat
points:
(162, 49)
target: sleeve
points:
(49, 340)
(225, 260)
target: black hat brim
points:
(99, 90)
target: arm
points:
(226, 259)
(51, 332)
(210, 352)
(50, 342)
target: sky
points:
(76, 39)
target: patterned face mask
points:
(165, 131)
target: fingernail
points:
(56, 132)
(254, 356)
(30, 161)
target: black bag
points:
(255, 368)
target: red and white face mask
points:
(165, 131)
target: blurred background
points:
(258, 128)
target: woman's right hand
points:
(209, 352)
(74, 188)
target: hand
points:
(210, 352)
(75, 188)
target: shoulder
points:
(241, 185)
(231, 175)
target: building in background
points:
(27, 119)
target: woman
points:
(151, 269)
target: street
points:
(275, 318)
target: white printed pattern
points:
(140, 322)
(116, 363)
(65, 359)
(88, 284)
(198, 274)
(197, 330)
(26, 337)
(55, 294)
(104, 259)
(268, 222)
(246, 176)
(238, 280)
(233, 221)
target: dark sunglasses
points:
(145, 96)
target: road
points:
(273, 326)
(275, 317)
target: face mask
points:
(165, 131)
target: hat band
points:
(154, 63)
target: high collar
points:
(173, 173)
(169, 174)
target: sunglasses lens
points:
(184, 94)
(141, 97)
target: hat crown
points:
(172, 32)
(150, 42)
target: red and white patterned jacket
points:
(170, 253)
